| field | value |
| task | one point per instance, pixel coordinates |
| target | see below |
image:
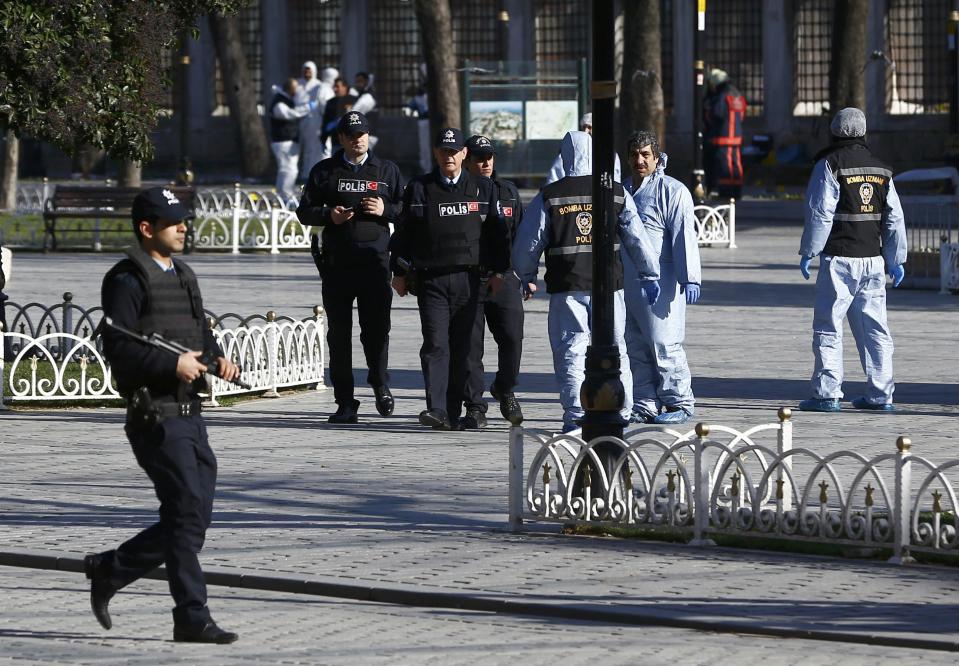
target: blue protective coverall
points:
(570, 312)
(853, 288)
(655, 333)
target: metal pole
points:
(503, 25)
(699, 81)
(602, 391)
(184, 87)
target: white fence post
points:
(274, 231)
(212, 402)
(516, 478)
(319, 315)
(902, 507)
(784, 445)
(272, 349)
(732, 224)
(2, 367)
(700, 489)
(236, 218)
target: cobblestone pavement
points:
(386, 503)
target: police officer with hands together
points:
(449, 225)
(354, 196)
(151, 292)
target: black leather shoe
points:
(435, 419)
(345, 413)
(474, 420)
(384, 400)
(100, 589)
(208, 633)
(508, 406)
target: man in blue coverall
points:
(655, 333)
(854, 221)
(559, 221)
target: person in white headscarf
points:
(309, 90)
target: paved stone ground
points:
(386, 503)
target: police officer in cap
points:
(354, 196)
(151, 292)
(503, 313)
(449, 223)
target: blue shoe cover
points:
(820, 405)
(862, 403)
(679, 416)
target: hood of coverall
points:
(576, 152)
(329, 75)
(310, 65)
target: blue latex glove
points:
(897, 273)
(804, 266)
(312, 104)
(651, 289)
(691, 289)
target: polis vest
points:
(863, 187)
(280, 128)
(364, 234)
(569, 260)
(448, 235)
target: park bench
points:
(98, 202)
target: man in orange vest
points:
(723, 112)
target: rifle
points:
(158, 341)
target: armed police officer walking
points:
(503, 313)
(559, 221)
(655, 333)
(150, 292)
(449, 223)
(354, 196)
(854, 222)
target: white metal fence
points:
(718, 480)
(716, 225)
(63, 364)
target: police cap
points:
(450, 138)
(480, 145)
(353, 122)
(159, 203)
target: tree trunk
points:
(847, 83)
(443, 86)
(130, 173)
(241, 95)
(8, 171)
(641, 103)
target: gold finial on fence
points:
(702, 430)
(903, 444)
(784, 414)
(779, 488)
(545, 472)
(936, 504)
(271, 316)
(734, 490)
(670, 481)
(869, 490)
(67, 297)
(318, 310)
(823, 497)
(211, 322)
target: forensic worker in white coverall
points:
(309, 87)
(854, 223)
(655, 333)
(559, 222)
(285, 115)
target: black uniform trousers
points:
(447, 303)
(177, 457)
(503, 313)
(368, 284)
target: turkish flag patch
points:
(508, 211)
(473, 206)
(371, 185)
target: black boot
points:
(474, 420)
(508, 406)
(436, 419)
(208, 633)
(384, 400)
(345, 413)
(101, 591)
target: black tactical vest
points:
(863, 188)
(364, 234)
(280, 128)
(174, 307)
(509, 204)
(448, 233)
(569, 259)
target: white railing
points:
(948, 267)
(63, 366)
(719, 480)
(716, 225)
